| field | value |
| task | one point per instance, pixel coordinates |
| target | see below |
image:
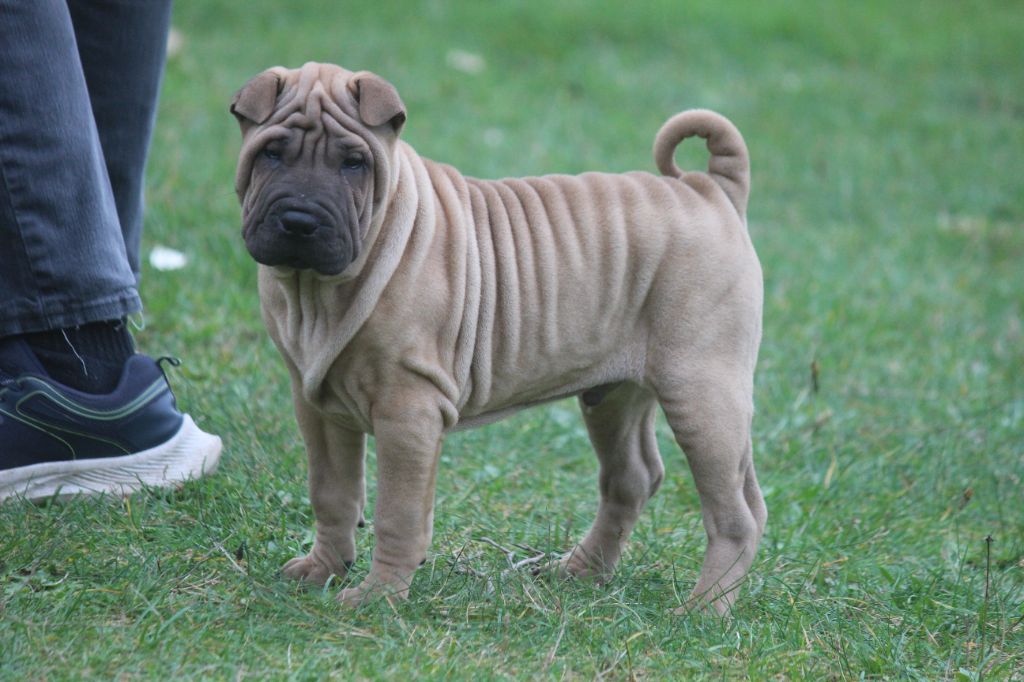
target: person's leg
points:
(63, 255)
(120, 49)
(122, 46)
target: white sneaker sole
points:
(188, 455)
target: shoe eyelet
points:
(15, 385)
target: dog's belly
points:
(473, 421)
(509, 394)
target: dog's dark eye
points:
(353, 162)
(272, 154)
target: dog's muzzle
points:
(300, 238)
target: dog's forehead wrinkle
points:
(309, 139)
(304, 94)
(308, 76)
(289, 102)
(314, 102)
(339, 86)
(315, 114)
(288, 99)
(335, 115)
(301, 118)
(341, 136)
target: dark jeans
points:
(79, 81)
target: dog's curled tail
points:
(729, 164)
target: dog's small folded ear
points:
(254, 103)
(378, 100)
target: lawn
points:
(887, 145)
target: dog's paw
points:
(576, 565)
(714, 603)
(312, 569)
(369, 591)
(702, 607)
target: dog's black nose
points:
(299, 223)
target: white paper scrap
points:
(165, 258)
(466, 62)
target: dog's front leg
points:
(336, 491)
(408, 428)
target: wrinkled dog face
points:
(309, 191)
(315, 165)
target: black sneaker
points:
(55, 440)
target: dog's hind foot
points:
(577, 564)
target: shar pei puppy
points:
(409, 301)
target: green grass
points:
(888, 173)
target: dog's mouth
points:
(300, 237)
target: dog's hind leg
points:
(710, 414)
(620, 422)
